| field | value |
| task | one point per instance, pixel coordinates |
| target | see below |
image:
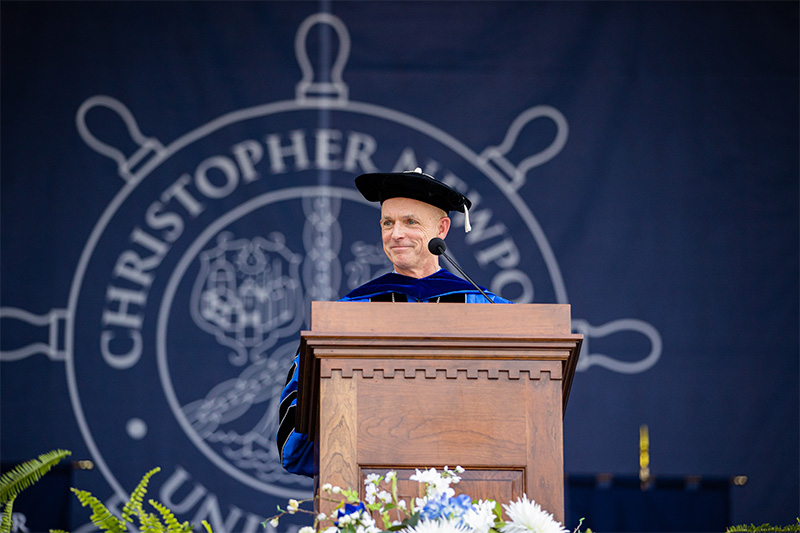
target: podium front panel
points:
(500, 420)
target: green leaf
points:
(173, 526)
(101, 516)
(5, 523)
(133, 506)
(411, 520)
(149, 523)
(350, 494)
(498, 512)
(26, 474)
(764, 528)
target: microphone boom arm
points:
(437, 247)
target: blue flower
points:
(350, 508)
(462, 501)
(448, 508)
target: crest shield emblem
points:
(248, 294)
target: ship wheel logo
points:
(198, 276)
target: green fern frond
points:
(5, 523)
(173, 526)
(26, 474)
(764, 528)
(101, 516)
(149, 523)
(134, 504)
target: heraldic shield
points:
(248, 294)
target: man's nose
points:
(398, 232)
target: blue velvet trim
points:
(437, 284)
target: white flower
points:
(385, 497)
(370, 492)
(306, 529)
(327, 487)
(419, 503)
(336, 490)
(528, 516)
(436, 483)
(367, 520)
(274, 522)
(450, 475)
(372, 528)
(438, 526)
(391, 475)
(321, 517)
(293, 506)
(373, 479)
(481, 517)
(426, 476)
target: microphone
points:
(436, 246)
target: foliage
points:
(439, 511)
(134, 508)
(23, 476)
(764, 528)
(26, 474)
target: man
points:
(414, 210)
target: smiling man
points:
(414, 210)
(406, 227)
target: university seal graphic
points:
(196, 280)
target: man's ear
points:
(444, 227)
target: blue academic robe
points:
(296, 449)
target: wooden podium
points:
(387, 386)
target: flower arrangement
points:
(438, 511)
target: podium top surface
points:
(438, 319)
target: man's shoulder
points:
(380, 285)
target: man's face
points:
(406, 227)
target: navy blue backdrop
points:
(177, 186)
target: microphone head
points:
(436, 246)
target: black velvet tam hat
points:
(412, 184)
